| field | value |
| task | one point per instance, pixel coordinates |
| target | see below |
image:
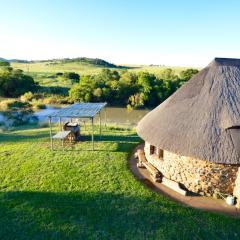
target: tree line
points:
(119, 88)
(13, 82)
(130, 89)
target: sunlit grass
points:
(84, 194)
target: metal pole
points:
(100, 124)
(60, 124)
(50, 125)
(105, 111)
(92, 134)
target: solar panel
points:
(79, 110)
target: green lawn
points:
(81, 194)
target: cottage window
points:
(160, 153)
(152, 149)
(156, 151)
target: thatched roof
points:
(202, 118)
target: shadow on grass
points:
(121, 147)
(15, 137)
(98, 215)
(112, 138)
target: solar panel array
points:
(79, 110)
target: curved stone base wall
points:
(236, 191)
(198, 176)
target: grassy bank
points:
(80, 194)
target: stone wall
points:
(196, 175)
(236, 191)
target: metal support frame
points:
(92, 134)
(60, 124)
(105, 113)
(50, 125)
(92, 123)
(100, 125)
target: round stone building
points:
(193, 137)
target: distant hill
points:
(81, 65)
(14, 60)
(83, 60)
(3, 59)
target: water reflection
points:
(17, 118)
(114, 115)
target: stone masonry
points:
(236, 191)
(202, 177)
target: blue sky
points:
(170, 32)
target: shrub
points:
(4, 63)
(72, 76)
(28, 96)
(38, 105)
(55, 99)
(14, 104)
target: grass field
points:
(46, 67)
(81, 194)
(42, 71)
(83, 68)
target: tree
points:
(145, 84)
(74, 77)
(14, 83)
(137, 100)
(98, 94)
(168, 74)
(126, 88)
(185, 75)
(4, 63)
(83, 91)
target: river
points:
(114, 115)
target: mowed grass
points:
(84, 194)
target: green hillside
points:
(78, 65)
(44, 71)
(83, 66)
